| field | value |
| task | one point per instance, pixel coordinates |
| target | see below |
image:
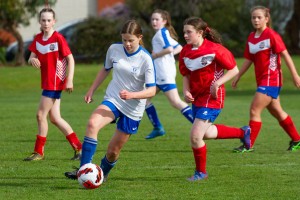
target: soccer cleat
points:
(294, 146)
(35, 156)
(73, 174)
(105, 178)
(155, 133)
(198, 176)
(77, 155)
(242, 149)
(247, 140)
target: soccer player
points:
(50, 53)
(264, 48)
(165, 46)
(133, 80)
(202, 63)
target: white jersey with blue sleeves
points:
(131, 72)
(165, 66)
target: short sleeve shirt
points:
(49, 52)
(205, 65)
(264, 51)
(132, 72)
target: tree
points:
(14, 13)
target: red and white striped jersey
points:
(49, 52)
(264, 51)
(205, 65)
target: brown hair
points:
(133, 28)
(47, 10)
(208, 33)
(266, 13)
(166, 16)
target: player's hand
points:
(235, 82)
(124, 94)
(88, 97)
(69, 86)
(214, 90)
(35, 62)
(188, 97)
(296, 80)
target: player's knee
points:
(53, 120)
(112, 154)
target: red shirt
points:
(264, 51)
(205, 65)
(49, 52)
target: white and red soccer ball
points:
(90, 176)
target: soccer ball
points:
(90, 176)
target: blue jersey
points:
(131, 72)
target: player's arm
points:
(147, 93)
(162, 53)
(71, 68)
(102, 74)
(226, 77)
(186, 89)
(290, 64)
(245, 66)
(34, 61)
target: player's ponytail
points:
(208, 32)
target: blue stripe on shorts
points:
(270, 91)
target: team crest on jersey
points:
(206, 60)
(52, 47)
(262, 45)
(135, 70)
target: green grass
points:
(155, 169)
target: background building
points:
(69, 10)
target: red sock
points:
(289, 127)
(40, 144)
(200, 158)
(227, 132)
(255, 128)
(74, 141)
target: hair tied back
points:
(207, 29)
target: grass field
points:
(155, 169)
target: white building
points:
(66, 11)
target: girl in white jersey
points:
(264, 49)
(133, 81)
(165, 46)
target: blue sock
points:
(152, 115)
(187, 113)
(106, 166)
(88, 150)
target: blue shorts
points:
(52, 94)
(166, 87)
(124, 123)
(210, 114)
(270, 91)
